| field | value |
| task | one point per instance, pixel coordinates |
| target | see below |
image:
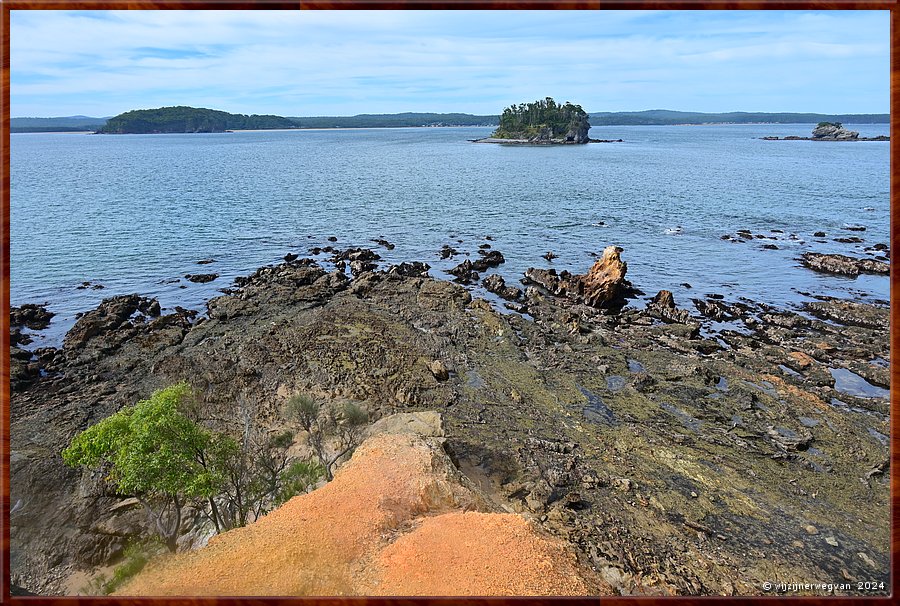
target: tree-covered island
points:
(182, 119)
(544, 121)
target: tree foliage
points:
(155, 453)
(182, 119)
(332, 431)
(529, 120)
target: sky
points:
(341, 63)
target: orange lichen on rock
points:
(347, 538)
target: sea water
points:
(135, 213)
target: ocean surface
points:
(136, 212)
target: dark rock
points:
(361, 266)
(290, 257)
(448, 251)
(494, 283)
(550, 255)
(383, 242)
(843, 265)
(490, 259)
(355, 254)
(205, 261)
(332, 238)
(415, 269)
(30, 315)
(770, 247)
(716, 310)
(663, 307)
(200, 278)
(465, 272)
(111, 315)
(855, 227)
(819, 234)
(850, 240)
(484, 246)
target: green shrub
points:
(298, 478)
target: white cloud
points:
(359, 61)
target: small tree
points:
(153, 452)
(344, 425)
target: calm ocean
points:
(136, 212)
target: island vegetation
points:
(544, 121)
(182, 119)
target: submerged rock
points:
(200, 278)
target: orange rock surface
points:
(392, 522)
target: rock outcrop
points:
(833, 130)
(843, 265)
(603, 286)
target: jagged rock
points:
(290, 257)
(488, 259)
(604, 284)
(835, 131)
(663, 306)
(843, 265)
(494, 283)
(465, 272)
(200, 278)
(30, 315)
(360, 266)
(355, 254)
(414, 269)
(109, 316)
(448, 251)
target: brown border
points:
(6, 6)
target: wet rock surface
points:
(843, 265)
(674, 463)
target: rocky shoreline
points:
(676, 454)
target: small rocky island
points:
(830, 131)
(544, 122)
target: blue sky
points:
(311, 63)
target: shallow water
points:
(136, 212)
(848, 382)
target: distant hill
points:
(61, 124)
(395, 120)
(216, 119)
(668, 117)
(182, 119)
